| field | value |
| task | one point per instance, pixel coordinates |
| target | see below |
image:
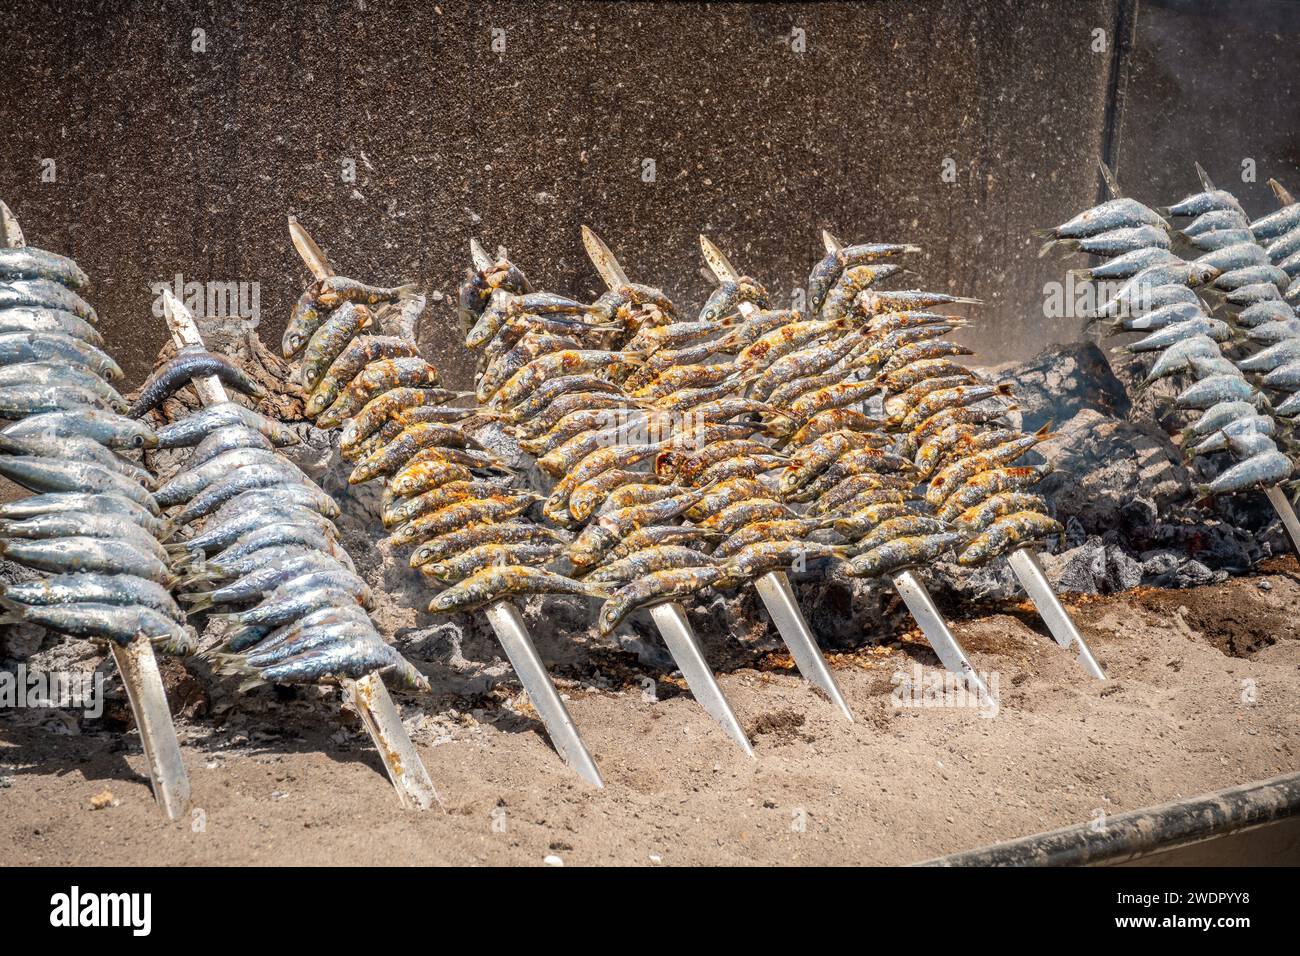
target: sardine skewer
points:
(401, 760)
(512, 634)
(138, 667)
(670, 617)
(774, 586)
(921, 605)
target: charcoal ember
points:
(1165, 568)
(1062, 381)
(994, 581)
(1112, 474)
(1122, 570)
(1080, 570)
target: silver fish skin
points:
(1285, 378)
(1113, 214)
(264, 580)
(1198, 204)
(76, 449)
(1290, 408)
(1253, 294)
(1271, 333)
(194, 428)
(1276, 224)
(352, 658)
(85, 588)
(1177, 357)
(227, 438)
(1219, 239)
(80, 524)
(189, 483)
(1215, 219)
(88, 502)
(326, 626)
(1268, 311)
(1157, 341)
(1127, 265)
(316, 536)
(39, 319)
(44, 294)
(110, 622)
(1205, 366)
(28, 262)
(19, 401)
(1291, 265)
(1211, 391)
(70, 555)
(1219, 415)
(287, 604)
(1150, 300)
(1160, 318)
(52, 474)
(16, 347)
(207, 574)
(1113, 242)
(1236, 256)
(1258, 471)
(1275, 356)
(58, 374)
(224, 530)
(1284, 246)
(107, 428)
(1253, 275)
(235, 483)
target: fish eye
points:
(138, 441)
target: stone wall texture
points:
(170, 161)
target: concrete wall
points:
(171, 161)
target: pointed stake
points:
(685, 650)
(1029, 571)
(1112, 184)
(378, 714)
(610, 271)
(1282, 505)
(1284, 197)
(405, 769)
(936, 630)
(774, 587)
(153, 719)
(718, 263)
(311, 254)
(830, 243)
(13, 233)
(1204, 177)
(778, 597)
(482, 261)
(513, 636)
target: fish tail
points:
(967, 300)
(1163, 211)
(1059, 246)
(10, 605)
(1082, 275)
(1045, 233)
(11, 619)
(198, 601)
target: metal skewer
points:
(918, 600)
(139, 669)
(670, 618)
(1024, 562)
(374, 705)
(774, 586)
(512, 634)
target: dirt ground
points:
(1203, 694)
